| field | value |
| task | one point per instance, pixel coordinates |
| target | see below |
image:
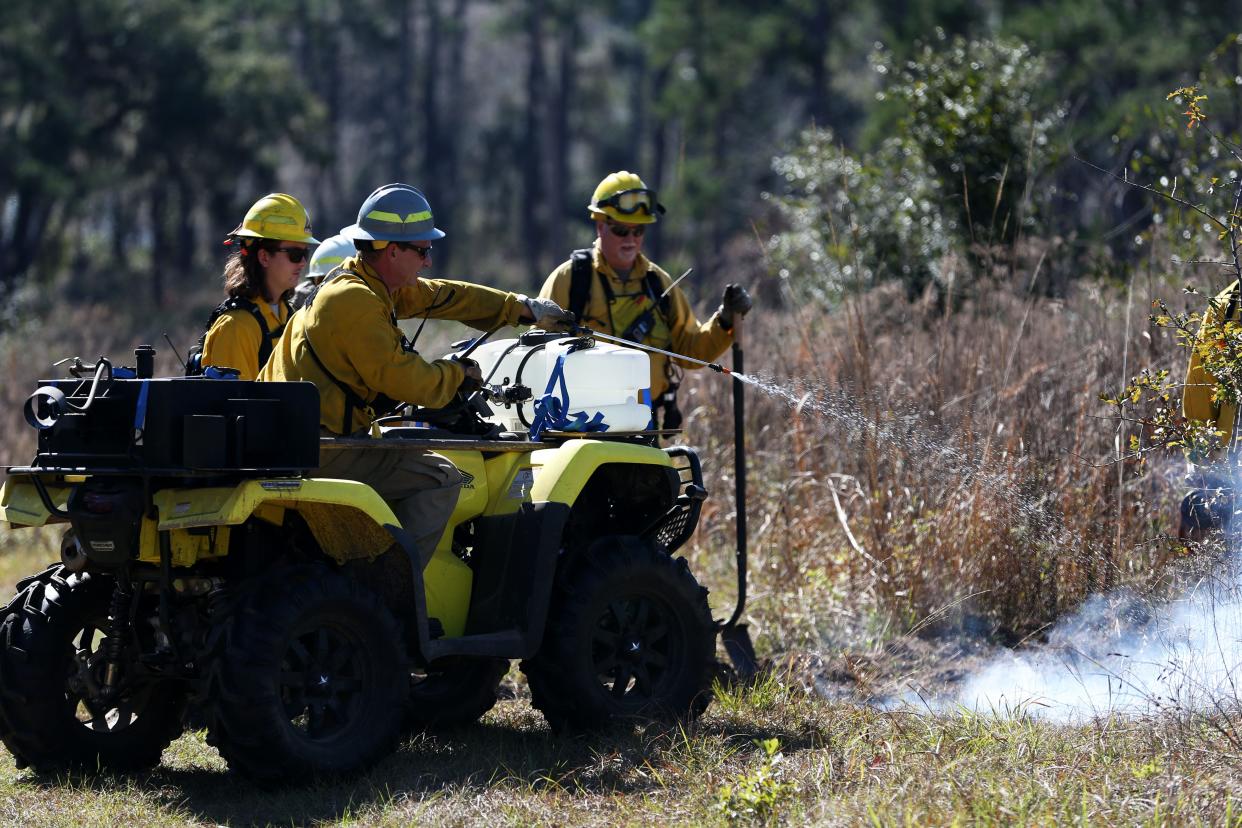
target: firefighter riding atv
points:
(206, 568)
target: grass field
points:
(835, 764)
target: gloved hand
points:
(473, 380)
(547, 315)
(735, 302)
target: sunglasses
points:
(295, 254)
(621, 230)
(423, 250)
(628, 202)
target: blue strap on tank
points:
(581, 423)
(549, 410)
(140, 411)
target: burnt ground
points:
(904, 671)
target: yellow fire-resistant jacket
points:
(233, 341)
(351, 325)
(680, 331)
(1197, 401)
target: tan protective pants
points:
(421, 487)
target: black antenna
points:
(419, 332)
(174, 350)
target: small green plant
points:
(759, 794)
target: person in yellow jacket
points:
(613, 288)
(345, 340)
(271, 247)
(1209, 505)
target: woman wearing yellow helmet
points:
(271, 248)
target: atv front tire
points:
(306, 678)
(629, 637)
(51, 671)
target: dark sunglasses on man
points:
(295, 254)
(423, 250)
(628, 202)
(623, 230)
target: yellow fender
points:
(347, 518)
(20, 504)
(561, 472)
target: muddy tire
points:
(305, 678)
(51, 666)
(629, 637)
(453, 693)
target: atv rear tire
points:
(629, 637)
(453, 693)
(305, 679)
(50, 659)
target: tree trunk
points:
(444, 157)
(534, 240)
(186, 237)
(159, 242)
(561, 200)
(400, 122)
(819, 26)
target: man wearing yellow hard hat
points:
(613, 288)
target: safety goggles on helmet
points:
(623, 230)
(629, 202)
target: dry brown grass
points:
(972, 461)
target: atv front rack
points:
(676, 525)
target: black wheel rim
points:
(323, 680)
(92, 708)
(633, 648)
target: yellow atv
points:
(207, 568)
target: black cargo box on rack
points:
(168, 425)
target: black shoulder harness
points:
(269, 337)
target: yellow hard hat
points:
(622, 196)
(277, 216)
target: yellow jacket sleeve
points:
(699, 340)
(1200, 387)
(359, 336)
(233, 342)
(556, 286)
(347, 339)
(474, 305)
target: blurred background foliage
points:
(834, 144)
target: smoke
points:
(1120, 654)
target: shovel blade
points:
(741, 651)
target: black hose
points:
(517, 380)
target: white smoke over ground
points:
(1119, 654)
(1122, 655)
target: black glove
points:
(735, 302)
(471, 383)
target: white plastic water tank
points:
(605, 379)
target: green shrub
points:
(851, 223)
(972, 109)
